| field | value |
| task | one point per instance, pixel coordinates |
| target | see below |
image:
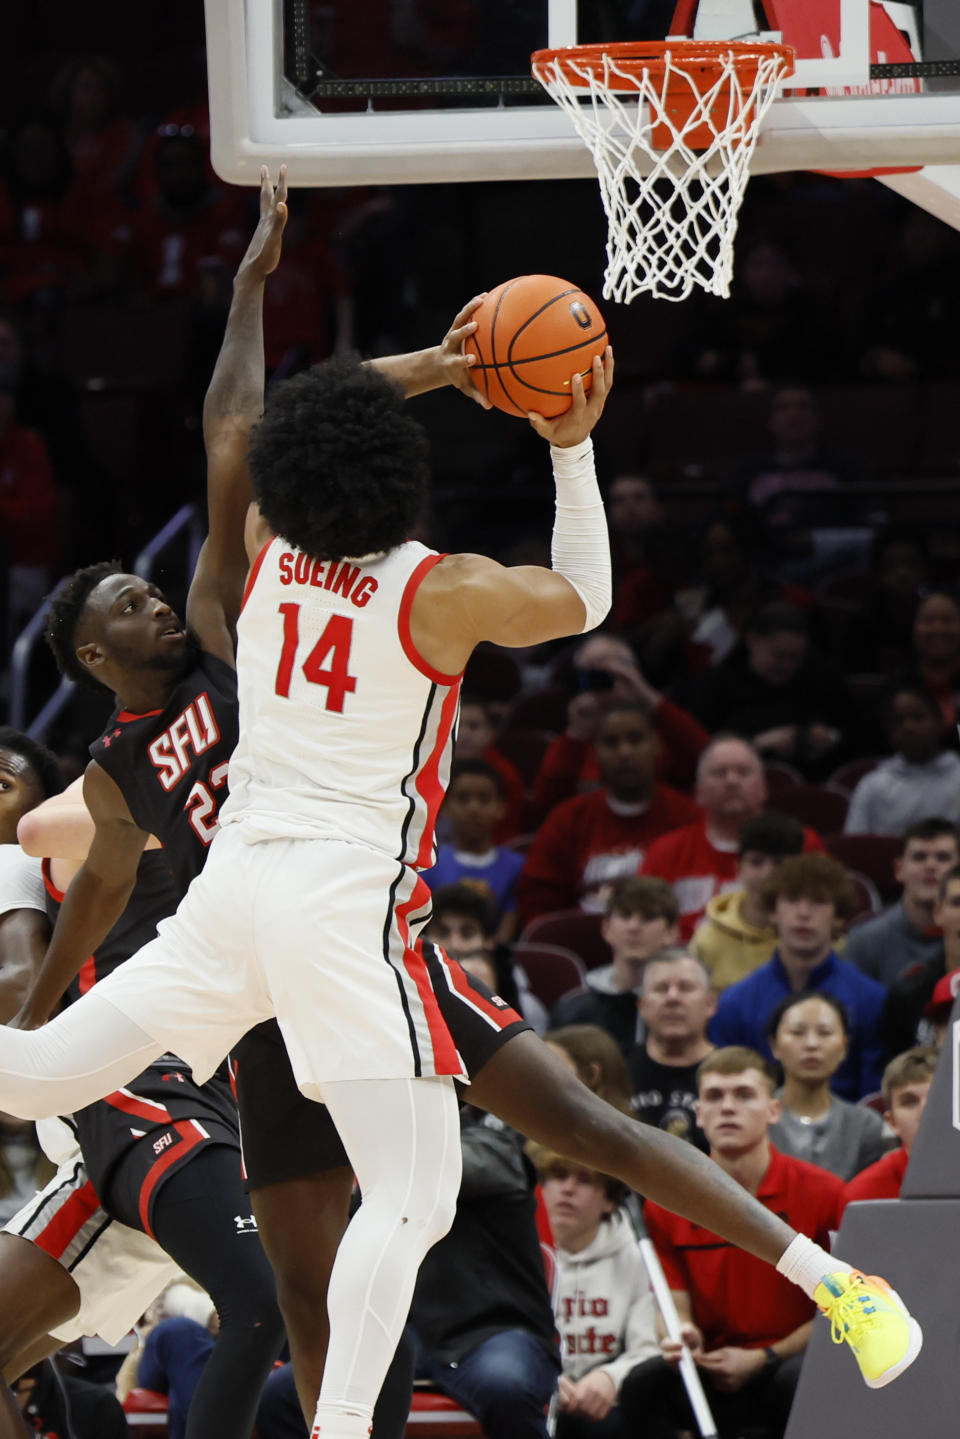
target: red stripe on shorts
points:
(445, 1058)
(502, 1015)
(154, 1112)
(66, 1224)
(428, 779)
(190, 1137)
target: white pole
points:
(671, 1320)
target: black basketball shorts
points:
(134, 1139)
(286, 1136)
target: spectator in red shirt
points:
(644, 556)
(475, 740)
(906, 1084)
(605, 672)
(703, 858)
(29, 510)
(192, 230)
(746, 1327)
(591, 840)
(52, 240)
(103, 144)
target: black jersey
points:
(171, 764)
(155, 895)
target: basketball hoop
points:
(672, 127)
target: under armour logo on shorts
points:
(245, 1224)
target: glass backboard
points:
(394, 91)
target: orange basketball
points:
(533, 333)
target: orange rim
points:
(650, 56)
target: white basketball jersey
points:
(345, 731)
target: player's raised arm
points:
(440, 365)
(233, 404)
(95, 900)
(468, 598)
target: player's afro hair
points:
(41, 760)
(66, 607)
(338, 466)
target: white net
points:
(672, 141)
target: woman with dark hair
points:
(935, 661)
(595, 1058)
(809, 1035)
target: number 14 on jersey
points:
(327, 664)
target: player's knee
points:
(302, 1287)
(248, 1300)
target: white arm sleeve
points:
(580, 549)
(21, 880)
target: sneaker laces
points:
(853, 1314)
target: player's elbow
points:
(598, 610)
(31, 835)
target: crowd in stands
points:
(712, 851)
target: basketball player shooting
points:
(351, 645)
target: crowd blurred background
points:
(779, 679)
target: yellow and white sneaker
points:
(867, 1314)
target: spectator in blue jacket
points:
(808, 896)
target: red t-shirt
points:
(698, 869)
(570, 765)
(28, 498)
(514, 796)
(736, 1298)
(584, 845)
(881, 1180)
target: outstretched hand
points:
(575, 424)
(455, 363)
(263, 251)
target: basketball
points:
(533, 333)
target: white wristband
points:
(580, 549)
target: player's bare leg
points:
(36, 1295)
(301, 1223)
(528, 1087)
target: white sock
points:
(341, 1421)
(805, 1263)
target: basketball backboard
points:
(399, 91)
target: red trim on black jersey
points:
(403, 622)
(87, 976)
(445, 1057)
(190, 1137)
(255, 570)
(427, 781)
(66, 1224)
(125, 716)
(48, 884)
(150, 1110)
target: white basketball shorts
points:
(321, 933)
(118, 1270)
